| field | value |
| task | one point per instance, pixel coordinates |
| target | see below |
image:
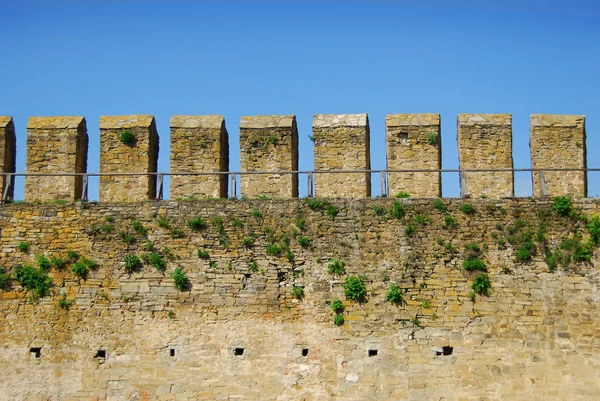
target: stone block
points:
(269, 143)
(56, 145)
(414, 142)
(128, 144)
(8, 150)
(558, 141)
(199, 144)
(342, 143)
(485, 142)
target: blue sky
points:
(235, 58)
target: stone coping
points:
(116, 122)
(340, 120)
(557, 120)
(5, 121)
(60, 122)
(258, 122)
(471, 120)
(208, 121)
(401, 120)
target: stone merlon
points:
(118, 122)
(5, 121)
(340, 120)
(62, 122)
(210, 121)
(402, 120)
(489, 120)
(258, 122)
(557, 120)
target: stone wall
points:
(55, 145)
(342, 143)
(199, 144)
(239, 332)
(128, 144)
(8, 144)
(485, 142)
(269, 143)
(414, 142)
(558, 141)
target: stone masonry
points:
(56, 145)
(342, 143)
(485, 142)
(8, 143)
(269, 143)
(242, 331)
(199, 144)
(413, 141)
(138, 156)
(558, 141)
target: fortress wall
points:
(199, 144)
(414, 142)
(534, 336)
(55, 145)
(128, 144)
(485, 142)
(558, 141)
(269, 143)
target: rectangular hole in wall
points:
(304, 351)
(238, 351)
(100, 354)
(403, 136)
(447, 350)
(372, 352)
(172, 352)
(35, 352)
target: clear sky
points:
(235, 58)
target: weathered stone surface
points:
(199, 144)
(534, 337)
(141, 156)
(414, 142)
(558, 141)
(485, 142)
(269, 143)
(8, 150)
(342, 143)
(56, 145)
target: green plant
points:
(237, 223)
(56, 262)
(394, 294)
(300, 223)
(107, 228)
(253, 266)
(137, 226)
(472, 296)
(338, 320)
(425, 304)
(158, 261)
(336, 305)
(203, 254)
(127, 238)
(432, 138)
(34, 280)
(43, 262)
(289, 256)
(379, 210)
(171, 314)
(473, 264)
(439, 205)
(402, 194)
(109, 219)
(336, 267)
(63, 303)
(593, 227)
(332, 211)
(298, 292)
(212, 264)
(5, 280)
(467, 208)
(127, 137)
(274, 250)
(562, 205)
(176, 233)
(149, 246)
(397, 210)
(415, 321)
(421, 219)
(449, 222)
(410, 230)
(163, 223)
(79, 269)
(180, 279)
(354, 288)
(72, 255)
(248, 242)
(197, 224)
(482, 285)
(23, 246)
(256, 213)
(303, 241)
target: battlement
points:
(269, 156)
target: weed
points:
(248, 242)
(263, 197)
(180, 279)
(43, 263)
(72, 255)
(107, 228)
(298, 292)
(425, 304)
(354, 288)
(176, 233)
(149, 246)
(197, 224)
(439, 205)
(23, 246)
(63, 303)
(127, 137)
(450, 222)
(467, 208)
(421, 219)
(127, 238)
(5, 280)
(379, 210)
(137, 226)
(472, 296)
(415, 321)
(338, 320)
(402, 195)
(332, 211)
(397, 210)
(253, 266)
(203, 254)
(171, 314)
(394, 294)
(432, 138)
(34, 280)
(289, 256)
(482, 285)
(303, 241)
(212, 264)
(79, 269)
(300, 223)
(410, 230)
(158, 261)
(109, 219)
(472, 261)
(256, 213)
(237, 223)
(274, 250)
(336, 267)
(593, 227)
(562, 205)
(336, 305)
(163, 223)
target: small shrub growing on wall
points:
(298, 292)
(79, 269)
(394, 294)
(303, 241)
(336, 267)
(34, 280)
(562, 205)
(4, 280)
(467, 208)
(338, 320)
(354, 288)
(23, 246)
(203, 254)
(197, 224)
(337, 306)
(482, 285)
(132, 263)
(127, 137)
(180, 279)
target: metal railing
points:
(9, 177)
